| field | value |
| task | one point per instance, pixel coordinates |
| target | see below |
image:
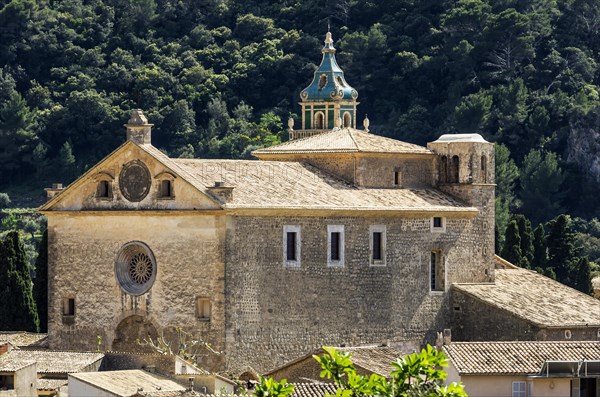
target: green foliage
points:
(414, 374)
(540, 248)
(526, 234)
(563, 251)
(541, 181)
(512, 244)
(18, 310)
(40, 283)
(583, 278)
(272, 388)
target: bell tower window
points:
(347, 119)
(319, 121)
(454, 166)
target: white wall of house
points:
(78, 388)
(26, 381)
(545, 387)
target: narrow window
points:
(166, 188)
(454, 166)
(436, 272)
(203, 308)
(335, 243)
(483, 169)
(378, 245)
(518, 389)
(396, 178)
(104, 190)
(291, 246)
(68, 306)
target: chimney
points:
(222, 191)
(138, 129)
(53, 191)
(4, 347)
(447, 336)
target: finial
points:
(338, 122)
(328, 38)
(137, 118)
(291, 123)
(366, 123)
(138, 129)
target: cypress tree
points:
(18, 311)
(512, 244)
(540, 247)
(562, 249)
(40, 284)
(526, 234)
(583, 281)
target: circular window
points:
(135, 268)
(134, 181)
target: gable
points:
(133, 177)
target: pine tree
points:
(562, 249)
(526, 234)
(583, 281)
(540, 248)
(40, 285)
(512, 244)
(18, 310)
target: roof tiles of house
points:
(128, 382)
(283, 184)
(57, 362)
(344, 140)
(313, 389)
(536, 298)
(506, 358)
(9, 362)
(51, 384)
(377, 359)
(23, 339)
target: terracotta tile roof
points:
(128, 382)
(345, 140)
(313, 389)
(283, 184)
(536, 298)
(9, 362)
(51, 384)
(503, 358)
(57, 362)
(23, 339)
(376, 359)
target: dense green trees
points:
(18, 310)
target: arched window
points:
(443, 170)
(340, 81)
(483, 169)
(347, 119)
(319, 121)
(454, 166)
(322, 81)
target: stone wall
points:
(276, 314)
(81, 265)
(474, 320)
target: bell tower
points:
(328, 101)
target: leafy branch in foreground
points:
(417, 374)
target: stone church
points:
(337, 236)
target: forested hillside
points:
(218, 77)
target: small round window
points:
(135, 268)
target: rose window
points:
(135, 268)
